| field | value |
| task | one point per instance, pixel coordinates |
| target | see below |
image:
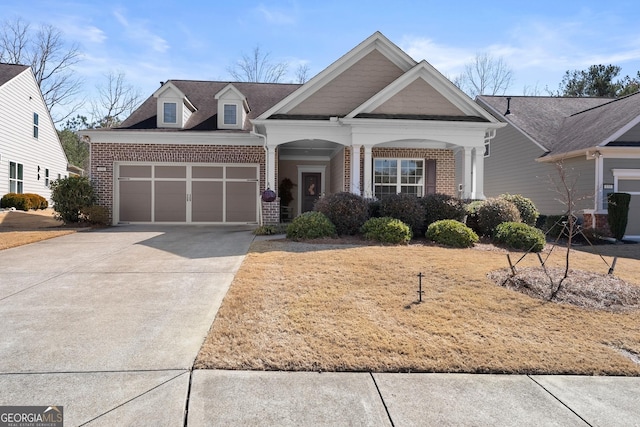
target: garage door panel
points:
(133, 171)
(170, 201)
(241, 172)
(135, 201)
(207, 172)
(633, 224)
(171, 171)
(206, 205)
(241, 202)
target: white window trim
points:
(164, 121)
(36, 125)
(399, 183)
(15, 179)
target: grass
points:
(331, 307)
(19, 228)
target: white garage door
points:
(186, 193)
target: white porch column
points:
(270, 167)
(355, 169)
(467, 168)
(478, 174)
(368, 173)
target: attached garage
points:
(173, 193)
(628, 181)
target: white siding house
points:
(31, 155)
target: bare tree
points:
(115, 98)
(50, 58)
(257, 67)
(302, 73)
(486, 75)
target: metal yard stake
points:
(420, 291)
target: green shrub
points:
(347, 211)
(494, 212)
(618, 213)
(405, 207)
(518, 235)
(554, 225)
(95, 215)
(70, 195)
(528, 211)
(374, 208)
(310, 225)
(450, 232)
(14, 200)
(471, 211)
(442, 206)
(387, 230)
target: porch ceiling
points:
(308, 147)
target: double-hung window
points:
(394, 176)
(46, 177)
(36, 119)
(230, 114)
(16, 178)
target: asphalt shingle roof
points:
(561, 124)
(260, 97)
(9, 71)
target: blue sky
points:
(153, 41)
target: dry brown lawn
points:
(19, 228)
(333, 307)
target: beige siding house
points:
(375, 122)
(31, 156)
(596, 139)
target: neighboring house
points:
(31, 156)
(596, 139)
(373, 123)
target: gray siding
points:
(633, 135)
(512, 168)
(610, 164)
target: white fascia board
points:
(620, 131)
(168, 86)
(181, 138)
(608, 152)
(377, 41)
(283, 131)
(506, 120)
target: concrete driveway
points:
(108, 323)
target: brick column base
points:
(601, 223)
(271, 212)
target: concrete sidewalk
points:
(240, 398)
(108, 324)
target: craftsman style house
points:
(596, 139)
(374, 122)
(31, 155)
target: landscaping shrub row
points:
(441, 218)
(23, 202)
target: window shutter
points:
(430, 172)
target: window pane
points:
(230, 114)
(20, 171)
(170, 112)
(12, 170)
(35, 119)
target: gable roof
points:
(202, 95)
(544, 119)
(9, 71)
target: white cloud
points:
(138, 32)
(278, 17)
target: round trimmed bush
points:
(517, 235)
(494, 212)
(442, 206)
(528, 212)
(450, 232)
(374, 208)
(37, 201)
(386, 230)
(16, 200)
(347, 211)
(405, 207)
(310, 225)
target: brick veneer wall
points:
(602, 223)
(445, 165)
(105, 155)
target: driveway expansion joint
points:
(560, 401)
(381, 399)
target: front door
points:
(311, 189)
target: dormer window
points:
(170, 110)
(230, 114)
(233, 108)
